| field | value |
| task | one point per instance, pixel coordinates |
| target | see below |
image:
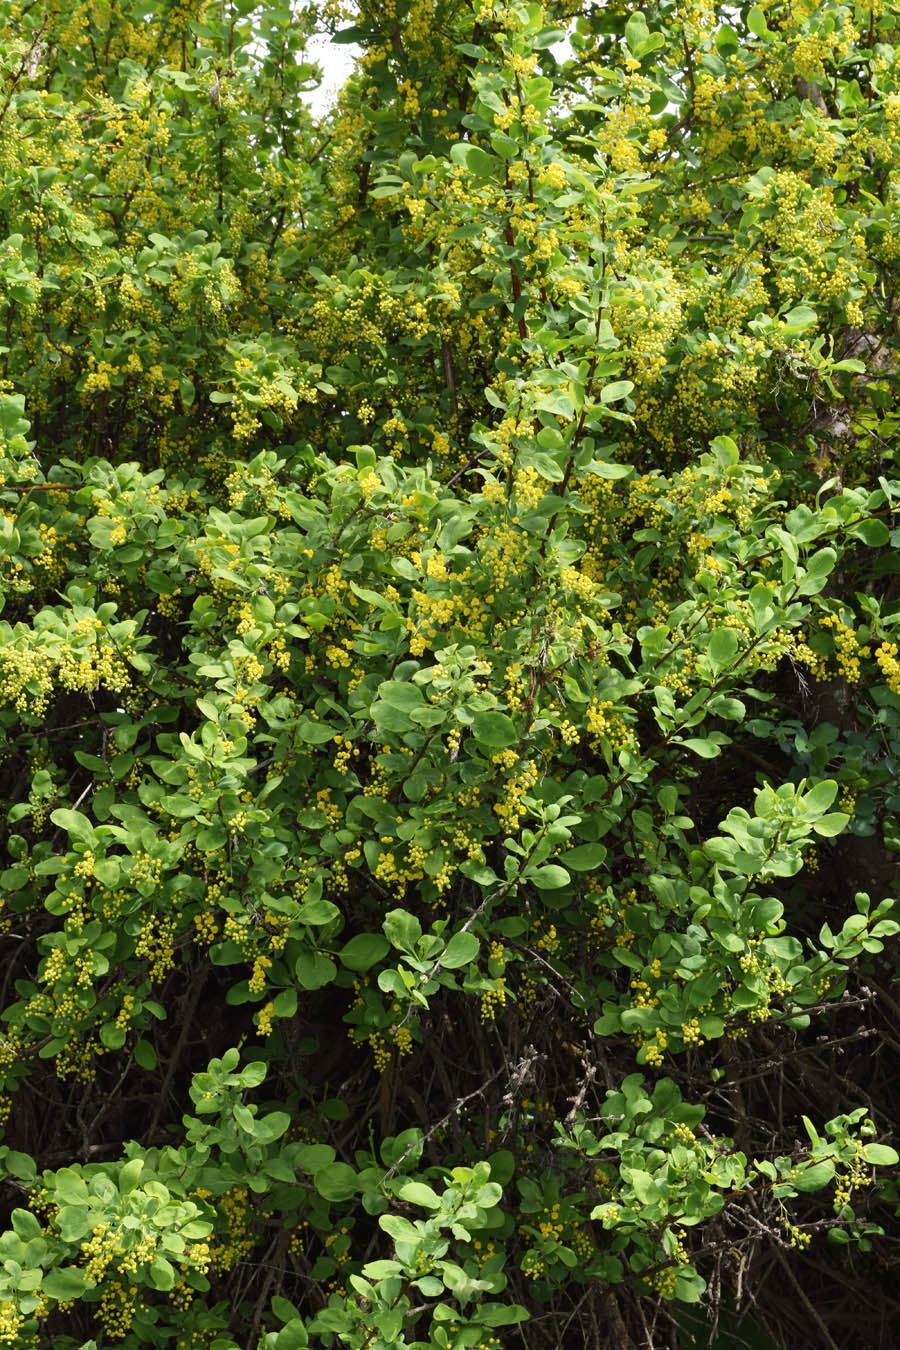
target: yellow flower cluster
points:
(691, 1033)
(848, 650)
(117, 1308)
(510, 809)
(549, 1224)
(156, 945)
(549, 940)
(857, 1175)
(642, 997)
(797, 1238)
(264, 1019)
(654, 1052)
(382, 1053)
(257, 982)
(494, 998)
(29, 669)
(403, 1041)
(665, 1281)
(10, 1323)
(123, 1018)
(889, 665)
(238, 1242)
(606, 727)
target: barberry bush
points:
(449, 674)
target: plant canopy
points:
(449, 674)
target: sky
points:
(337, 63)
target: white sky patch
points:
(563, 51)
(337, 61)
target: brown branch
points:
(810, 1307)
(447, 357)
(187, 1019)
(23, 66)
(39, 487)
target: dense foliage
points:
(449, 674)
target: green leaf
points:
(585, 858)
(25, 1225)
(389, 717)
(112, 1036)
(460, 951)
(732, 709)
(292, 1336)
(402, 695)
(316, 913)
(819, 798)
(64, 1284)
(356, 33)
(272, 1126)
(417, 1193)
(398, 1228)
(722, 646)
(74, 1222)
(313, 733)
(494, 729)
(364, 951)
(211, 839)
(548, 37)
(145, 1055)
(689, 1289)
(604, 469)
(756, 22)
(727, 39)
(130, 1175)
(611, 393)
(799, 320)
(402, 929)
(283, 1309)
(381, 1270)
(226, 953)
(705, 747)
(832, 824)
(654, 43)
(161, 1273)
(70, 1187)
(313, 970)
(312, 1157)
(874, 533)
(674, 94)
(644, 1187)
(501, 1314)
(20, 1165)
(549, 878)
(285, 1003)
(477, 161)
(245, 1118)
(336, 1182)
(880, 1155)
(479, 872)
(107, 871)
(765, 912)
(636, 32)
(814, 1177)
(74, 823)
